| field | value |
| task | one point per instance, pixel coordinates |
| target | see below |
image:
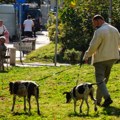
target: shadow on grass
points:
(18, 113)
(26, 114)
(96, 114)
(55, 73)
(111, 110)
(5, 71)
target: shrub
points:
(72, 56)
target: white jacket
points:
(105, 44)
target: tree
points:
(75, 22)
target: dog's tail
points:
(98, 83)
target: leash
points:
(98, 83)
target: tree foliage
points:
(75, 21)
(116, 14)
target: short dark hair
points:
(97, 17)
(29, 16)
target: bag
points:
(6, 34)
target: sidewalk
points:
(42, 39)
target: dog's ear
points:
(10, 87)
(10, 84)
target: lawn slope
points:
(53, 81)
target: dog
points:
(81, 91)
(24, 89)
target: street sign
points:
(20, 1)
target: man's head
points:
(2, 39)
(97, 20)
(29, 17)
(1, 22)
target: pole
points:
(110, 12)
(20, 22)
(56, 40)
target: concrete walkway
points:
(42, 39)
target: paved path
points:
(42, 39)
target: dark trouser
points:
(102, 71)
(34, 33)
(28, 33)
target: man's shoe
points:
(107, 102)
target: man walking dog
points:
(104, 51)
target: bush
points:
(72, 56)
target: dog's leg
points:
(95, 107)
(95, 101)
(81, 105)
(38, 110)
(14, 99)
(25, 103)
(75, 106)
(29, 104)
(86, 100)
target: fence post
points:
(12, 56)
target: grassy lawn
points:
(53, 81)
(44, 54)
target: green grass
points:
(44, 54)
(53, 82)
